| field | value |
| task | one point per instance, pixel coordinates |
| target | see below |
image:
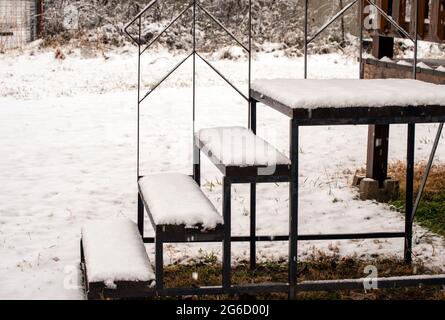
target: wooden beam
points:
(382, 23)
(422, 27)
(437, 17)
(382, 46)
(39, 20)
(378, 135)
(399, 13)
(377, 157)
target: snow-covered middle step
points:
(237, 151)
(175, 199)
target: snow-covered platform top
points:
(176, 199)
(114, 252)
(238, 147)
(374, 100)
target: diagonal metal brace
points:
(223, 77)
(427, 172)
(138, 16)
(391, 21)
(166, 77)
(332, 20)
(167, 27)
(211, 16)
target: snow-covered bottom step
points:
(114, 260)
(174, 201)
(237, 151)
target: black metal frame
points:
(414, 40)
(293, 237)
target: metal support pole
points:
(305, 36)
(196, 164)
(293, 208)
(159, 261)
(252, 125)
(253, 115)
(227, 216)
(140, 215)
(360, 16)
(139, 96)
(249, 76)
(416, 37)
(140, 205)
(409, 192)
(252, 226)
(196, 151)
(410, 158)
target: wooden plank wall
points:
(431, 18)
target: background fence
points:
(18, 22)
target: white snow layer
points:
(423, 65)
(311, 94)
(114, 252)
(386, 59)
(76, 163)
(404, 63)
(238, 146)
(176, 199)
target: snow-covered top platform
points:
(311, 94)
(114, 252)
(403, 100)
(175, 199)
(238, 148)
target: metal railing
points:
(194, 5)
(339, 14)
(413, 38)
(143, 48)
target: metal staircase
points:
(288, 172)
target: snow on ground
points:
(68, 146)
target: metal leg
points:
(197, 165)
(409, 192)
(227, 272)
(159, 262)
(252, 126)
(140, 215)
(252, 226)
(293, 210)
(305, 28)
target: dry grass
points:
(318, 267)
(436, 179)
(431, 211)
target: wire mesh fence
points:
(18, 23)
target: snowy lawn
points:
(68, 155)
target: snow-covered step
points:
(237, 151)
(176, 204)
(114, 260)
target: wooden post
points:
(378, 135)
(377, 159)
(437, 16)
(382, 46)
(39, 20)
(421, 16)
